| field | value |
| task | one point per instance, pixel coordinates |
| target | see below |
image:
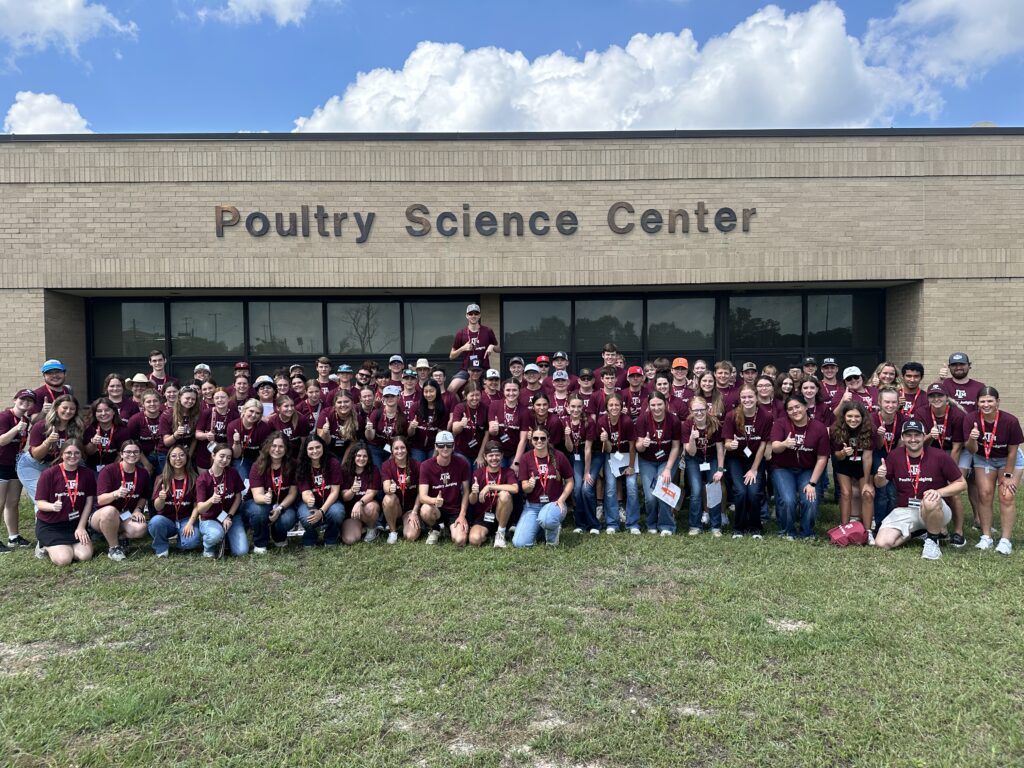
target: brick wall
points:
(22, 345)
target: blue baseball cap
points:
(52, 365)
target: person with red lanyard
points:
(913, 400)
(579, 435)
(444, 492)
(323, 378)
(287, 420)
(64, 500)
(608, 390)
(745, 434)
(765, 388)
(956, 381)
(853, 381)
(472, 346)
(399, 479)
(617, 440)
(311, 405)
(491, 390)
(384, 424)
(103, 436)
(247, 434)
(943, 423)
(122, 490)
(158, 372)
(703, 461)
(490, 499)
(541, 416)
(658, 436)
(559, 395)
(218, 498)
(547, 480)
(887, 423)
(831, 388)
(409, 398)
(54, 375)
(144, 427)
(468, 423)
(924, 477)
(724, 373)
(270, 509)
(298, 392)
(360, 486)
(213, 427)
(707, 389)
(993, 436)
(113, 388)
(178, 425)
(429, 418)
(318, 478)
(586, 392)
(800, 451)
(339, 426)
(810, 389)
(633, 396)
(853, 439)
(63, 422)
(174, 497)
(682, 386)
(509, 422)
(14, 427)
(533, 386)
(241, 390)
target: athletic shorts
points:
(8, 472)
(907, 520)
(488, 520)
(852, 469)
(56, 534)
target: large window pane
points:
(529, 325)
(840, 320)
(363, 327)
(680, 324)
(128, 329)
(765, 321)
(286, 327)
(617, 320)
(430, 326)
(207, 328)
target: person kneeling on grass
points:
(174, 498)
(319, 482)
(360, 482)
(400, 479)
(65, 494)
(218, 496)
(491, 495)
(121, 494)
(444, 491)
(924, 478)
(548, 483)
(270, 510)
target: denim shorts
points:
(990, 465)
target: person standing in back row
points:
(473, 346)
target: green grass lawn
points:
(609, 651)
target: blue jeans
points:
(29, 470)
(611, 500)
(885, 498)
(421, 455)
(697, 480)
(258, 518)
(584, 496)
(747, 498)
(531, 522)
(162, 528)
(212, 533)
(789, 489)
(242, 466)
(659, 514)
(378, 455)
(158, 460)
(331, 522)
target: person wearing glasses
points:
(546, 478)
(64, 499)
(444, 491)
(122, 490)
(800, 451)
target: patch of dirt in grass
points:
(31, 658)
(790, 625)
(547, 720)
(692, 710)
(461, 746)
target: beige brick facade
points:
(936, 216)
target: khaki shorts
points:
(907, 520)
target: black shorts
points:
(56, 534)
(851, 469)
(8, 472)
(488, 520)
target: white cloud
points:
(245, 11)
(771, 70)
(67, 23)
(43, 113)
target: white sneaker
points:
(297, 530)
(1004, 547)
(635, 531)
(165, 553)
(716, 532)
(209, 554)
(610, 530)
(259, 550)
(663, 534)
(737, 535)
(931, 550)
(577, 530)
(705, 519)
(757, 536)
(984, 543)
(693, 532)
(595, 531)
(371, 535)
(41, 552)
(653, 531)
(393, 537)
(871, 539)
(499, 540)
(433, 537)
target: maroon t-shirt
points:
(855, 443)
(146, 431)
(553, 425)
(326, 389)
(9, 453)
(252, 438)
(407, 480)
(579, 435)
(113, 477)
(80, 484)
(161, 384)
(446, 482)
(467, 441)
(110, 444)
(526, 395)
(598, 405)
(965, 394)
(167, 428)
(821, 412)
(634, 403)
(127, 408)
(309, 413)
(37, 436)
(294, 432)
(682, 393)
(620, 435)
(730, 398)
(868, 396)
(181, 498)
(46, 394)
(511, 421)
(811, 442)
(335, 428)
(706, 440)
(993, 446)
(756, 430)
(661, 433)
(933, 471)
(484, 511)
(831, 394)
(884, 445)
(277, 482)
(914, 405)
(480, 340)
(229, 485)
(559, 406)
(426, 430)
(387, 427)
(409, 403)
(950, 422)
(361, 482)
(551, 473)
(320, 479)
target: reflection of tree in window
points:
(749, 331)
(547, 332)
(595, 333)
(671, 336)
(363, 323)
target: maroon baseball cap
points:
(241, 366)
(27, 394)
(936, 389)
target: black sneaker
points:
(18, 541)
(4, 548)
(957, 540)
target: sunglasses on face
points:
(540, 439)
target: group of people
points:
(343, 454)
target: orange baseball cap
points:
(681, 362)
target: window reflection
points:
(681, 324)
(617, 320)
(286, 327)
(128, 329)
(363, 327)
(206, 328)
(765, 321)
(542, 325)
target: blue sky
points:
(260, 65)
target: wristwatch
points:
(1008, 475)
